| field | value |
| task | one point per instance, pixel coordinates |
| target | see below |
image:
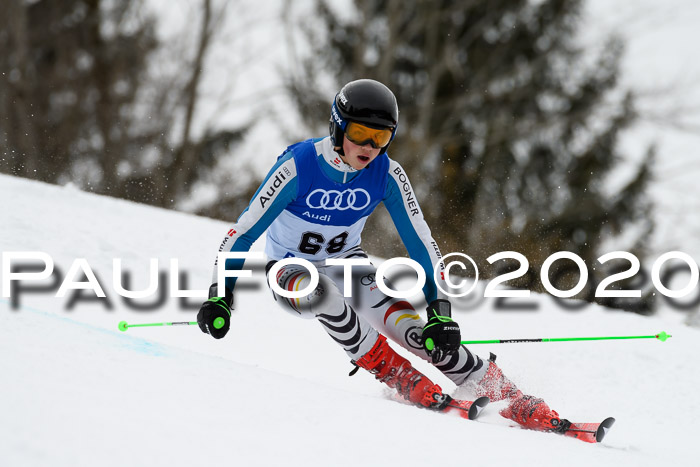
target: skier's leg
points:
(363, 344)
(355, 335)
(398, 320)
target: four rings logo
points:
(356, 199)
(367, 280)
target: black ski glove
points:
(214, 317)
(441, 335)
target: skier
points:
(314, 203)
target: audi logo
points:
(356, 199)
(367, 280)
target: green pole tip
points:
(429, 344)
(662, 336)
(123, 326)
(219, 322)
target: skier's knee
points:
(295, 278)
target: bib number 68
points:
(312, 242)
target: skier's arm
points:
(441, 335)
(400, 200)
(274, 194)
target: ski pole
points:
(123, 325)
(662, 336)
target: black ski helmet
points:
(363, 101)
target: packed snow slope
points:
(75, 391)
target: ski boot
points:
(528, 411)
(534, 413)
(396, 372)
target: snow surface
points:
(76, 391)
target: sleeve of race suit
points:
(400, 201)
(274, 194)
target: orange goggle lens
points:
(361, 135)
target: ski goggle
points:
(361, 135)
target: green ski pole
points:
(123, 325)
(662, 336)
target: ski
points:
(467, 409)
(589, 432)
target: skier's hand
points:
(441, 335)
(214, 317)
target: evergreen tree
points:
(79, 101)
(73, 75)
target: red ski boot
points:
(397, 372)
(534, 413)
(528, 411)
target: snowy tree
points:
(84, 97)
